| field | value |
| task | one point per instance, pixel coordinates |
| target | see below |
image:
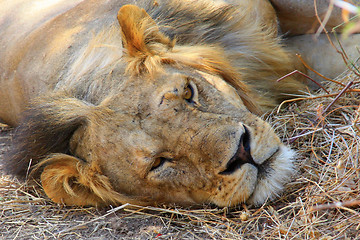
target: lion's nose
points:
(241, 156)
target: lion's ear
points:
(68, 180)
(141, 36)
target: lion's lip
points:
(241, 156)
(265, 165)
(273, 173)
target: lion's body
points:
(28, 26)
(156, 111)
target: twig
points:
(303, 74)
(316, 72)
(352, 203)
(338, 96)
(326, 18)
(353, 68)
(305, 98)
(95, 219)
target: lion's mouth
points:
(241, 156)
(273, 173)
(265, 167)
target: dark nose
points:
(241, 156)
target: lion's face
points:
(185, 137)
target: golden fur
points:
(170, 117)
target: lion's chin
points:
(277, 171)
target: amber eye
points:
(188, 93)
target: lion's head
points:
(178, 129)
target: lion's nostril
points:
(245, 139)
(241, 156)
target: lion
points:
(145, 102)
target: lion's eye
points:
(158, 163)
(188, 93)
